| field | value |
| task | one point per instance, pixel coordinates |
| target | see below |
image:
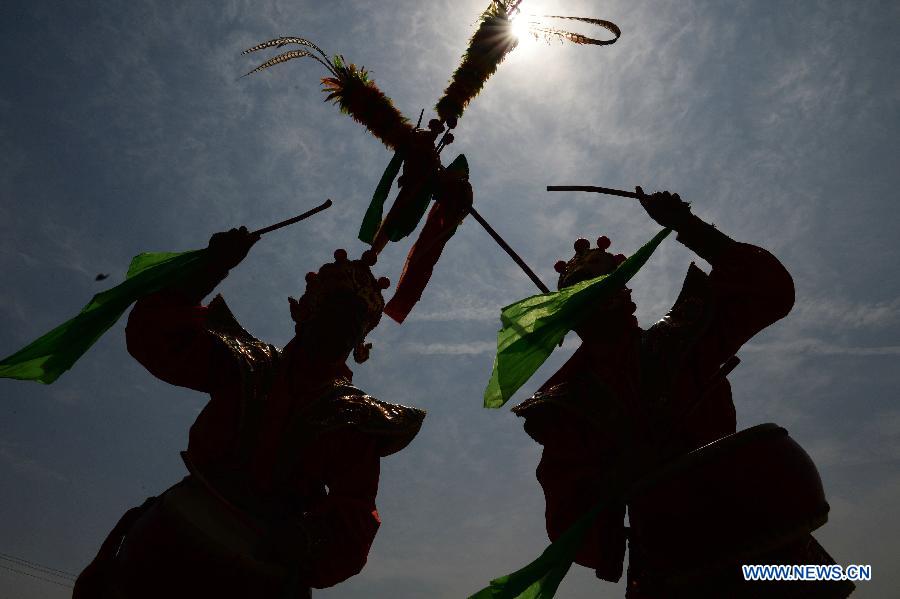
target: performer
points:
(630, 400)
(283, 460)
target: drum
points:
(724, 503)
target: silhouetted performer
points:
(630, 401)
(283, 460)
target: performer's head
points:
(341, 304)
(589, 263)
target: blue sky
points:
(124, 128)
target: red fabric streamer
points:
(454, 197)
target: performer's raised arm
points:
(169, 332)
(747, 290)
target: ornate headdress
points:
(587, 262)
(343, 277)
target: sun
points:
(520, 30)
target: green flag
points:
(47, 358)
(405, 222)
(372, 218)
(403, 218)
(534, 326)
(460, 164)
(541, 578)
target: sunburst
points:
(521, 30)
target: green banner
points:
(534, 326)
(540, 579)
(372, 219)
(45, 359)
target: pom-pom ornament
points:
(588, 262)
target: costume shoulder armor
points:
(252, 354)
(558, 396)
(256, 362)
(392, 425)
(582, 399)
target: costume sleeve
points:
(168, 334)
(343, 524)
(571, 469)
(750, 288)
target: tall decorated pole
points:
(416, 159)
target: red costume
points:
(283, 460)
(629, 401)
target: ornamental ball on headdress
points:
(342, 277)
(587, 263)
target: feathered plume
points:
(547, 33)
(358, 96)
(492, 41)
(350, 87)
(279, 42)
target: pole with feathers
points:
(417, 151)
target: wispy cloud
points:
(879, 444)
(28, 467)
(819, 347)
(453, 349)
(840, 312)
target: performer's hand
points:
(665, 208)
(229, 248)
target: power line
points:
(56, 582)
(36, 566)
